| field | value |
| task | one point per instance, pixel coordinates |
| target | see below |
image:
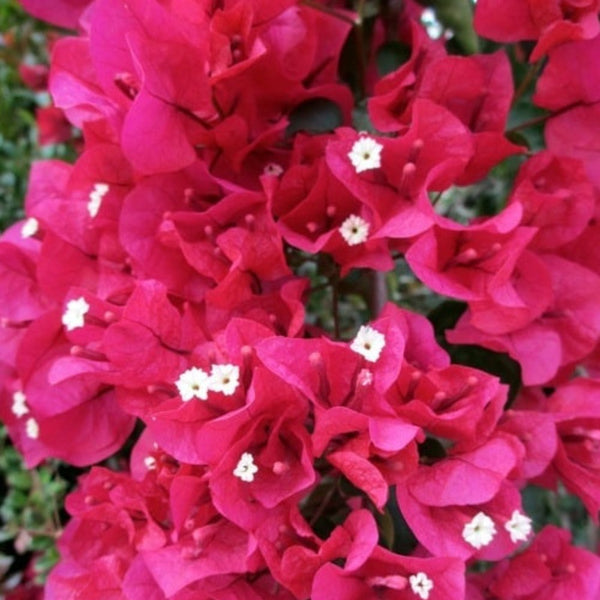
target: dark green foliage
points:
(31, 514)
(317, 115)
(22, 40)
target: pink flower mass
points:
(160, 294)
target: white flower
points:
(365, 154)
(30, 227)
(355, 230)
(150, 463)
(246, 468)
(32, 429)
(369, 342)
(193, 383)
(224, 379)
(19, 405)
(96, 195)
(519, 527)
(421, 585)
(479, 531)
(73, 317)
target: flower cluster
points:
(151, 282)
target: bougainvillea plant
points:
(218, 288)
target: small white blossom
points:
(421, 585)
(519, 527)
(96, 195)
(150, 463)
(246, 469)
(32, 429)
(73, 317)
(193, 383)
(224, 379)
(30, 227)
(19, 405)
(355, 230)
(479, 531)
(368, 342)
(365, 154)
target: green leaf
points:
(317, 115)
(535, 504)
(19, 479)
(385, 524)
(368, 9)
(457, 15)
(361, 120)
(390, 56)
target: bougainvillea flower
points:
(451, 402)
(76, 401)
(394, 93)
(432, 154)
(577, 462)
(556, 197)
(82, 204)
(477, 89)
(548, 22)
(294, 553)
(64, 13)
(391, 576)
(550, 568)
(463, 530)
(273, 449)
(566, 331)
(572, 76)
(537, 433)
(471, 261)
(570, 133)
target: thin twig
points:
(326, 499)
(529, 76)
(379, 293)
(530, 123)
(335, 301)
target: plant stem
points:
(326, 499)
(379, 293)
(530, 123)
(529, 76)
(335, 300)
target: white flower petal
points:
(421, 585)
(193, 383)
(19, 406)
(96, 195)
(519, 527)
(355, 230)
(246, 469)
(224, 379)
(30, 227)
(365, 154)
(32, 429)
(368, 342)
(479, 531)
(74, 315)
